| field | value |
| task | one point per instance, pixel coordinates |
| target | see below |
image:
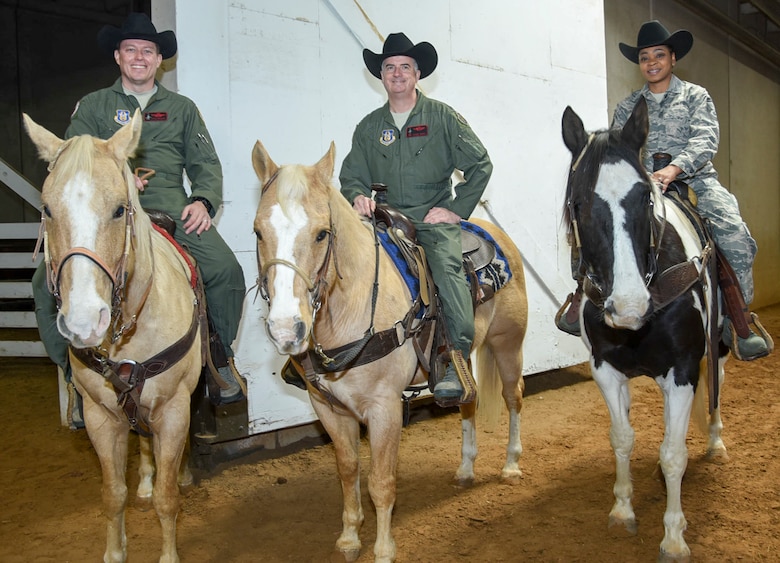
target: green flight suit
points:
(174, 138)
(416, 163)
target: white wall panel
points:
(291, 74)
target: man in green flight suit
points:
(174, 139)
(413, 144)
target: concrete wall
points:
(746, 93)
(290, 73)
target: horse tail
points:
(489, 390)
(701, 400)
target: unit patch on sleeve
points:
(156, 116)
(417, 131)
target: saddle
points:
(740, 317)
(213, 354)
(486, 270)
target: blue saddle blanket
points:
(496, 274)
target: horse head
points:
(610, 213)
(295, 240)
(88, 200)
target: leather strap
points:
(128, 377)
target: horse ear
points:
(574, 135)
(48, 143)
(124, 142)
(262, 163)
(634, 132)
(326, 164)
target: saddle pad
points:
(496, 274)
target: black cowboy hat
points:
(137, 26)
(399, 44)
(654, 33)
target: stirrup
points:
(733, 345)
(561, 322)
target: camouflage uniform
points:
(685, 125)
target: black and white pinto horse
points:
(628, 235)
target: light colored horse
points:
(125, 294)
(647, 308)
(313, 247)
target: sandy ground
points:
(262, 508)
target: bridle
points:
(591, 286)
(316, 287)
(117, 275)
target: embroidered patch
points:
(156, 116)
(388, 137)
(461, 118)
(417, 131)
(122, 116)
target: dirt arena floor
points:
(262, 508)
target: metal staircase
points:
(18, 327)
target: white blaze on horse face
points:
(629, 302)
(85, 314)
(284, 316)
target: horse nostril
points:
(300, 330)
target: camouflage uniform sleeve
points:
(704, 133)
(623, 111)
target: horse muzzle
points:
(630, 316)
(289, 336)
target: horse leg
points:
(143, 497)
(674, 459)
(170, 429)
(468, 450)
(109, 436)
(509, 360)
(186, 480)
(614, 388)
(344, 430)
(716, 449)
(384, 431)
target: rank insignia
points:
(388, 137)
(122, 116)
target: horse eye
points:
(259, 236)
(119, 212)
(322, 235)
(47, 211)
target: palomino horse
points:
(124, 296)
(318, 263)
(647, 306)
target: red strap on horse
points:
(184, 254)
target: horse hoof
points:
(464, 482)
(186, 488)
(345, 556)
(629, 526)
(143, 504)
(664, 557)
(717, 455)
(514, 477)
